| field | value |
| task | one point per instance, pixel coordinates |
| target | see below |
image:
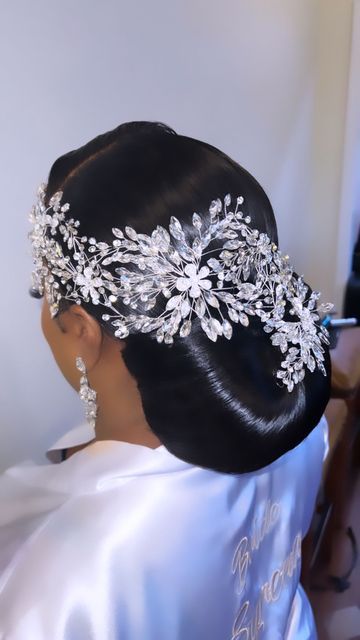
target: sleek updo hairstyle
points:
(216, 405)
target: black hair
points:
(216, 405)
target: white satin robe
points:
(123, 542)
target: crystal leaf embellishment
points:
(220, 274)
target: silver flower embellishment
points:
(89, 283)
(195, 281)
(160, 266)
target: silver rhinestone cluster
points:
(187, 277)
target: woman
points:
(204, 371)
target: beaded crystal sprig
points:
(187, 277)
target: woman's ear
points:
(84, 332)
(73, 333)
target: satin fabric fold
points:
(122, 542)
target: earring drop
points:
(86, 393)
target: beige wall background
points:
(274, 83)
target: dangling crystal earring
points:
(86, 393)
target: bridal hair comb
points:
(135, 274)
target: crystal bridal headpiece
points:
(190, 278)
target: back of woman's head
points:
(214, 404)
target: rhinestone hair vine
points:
(189, 278)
